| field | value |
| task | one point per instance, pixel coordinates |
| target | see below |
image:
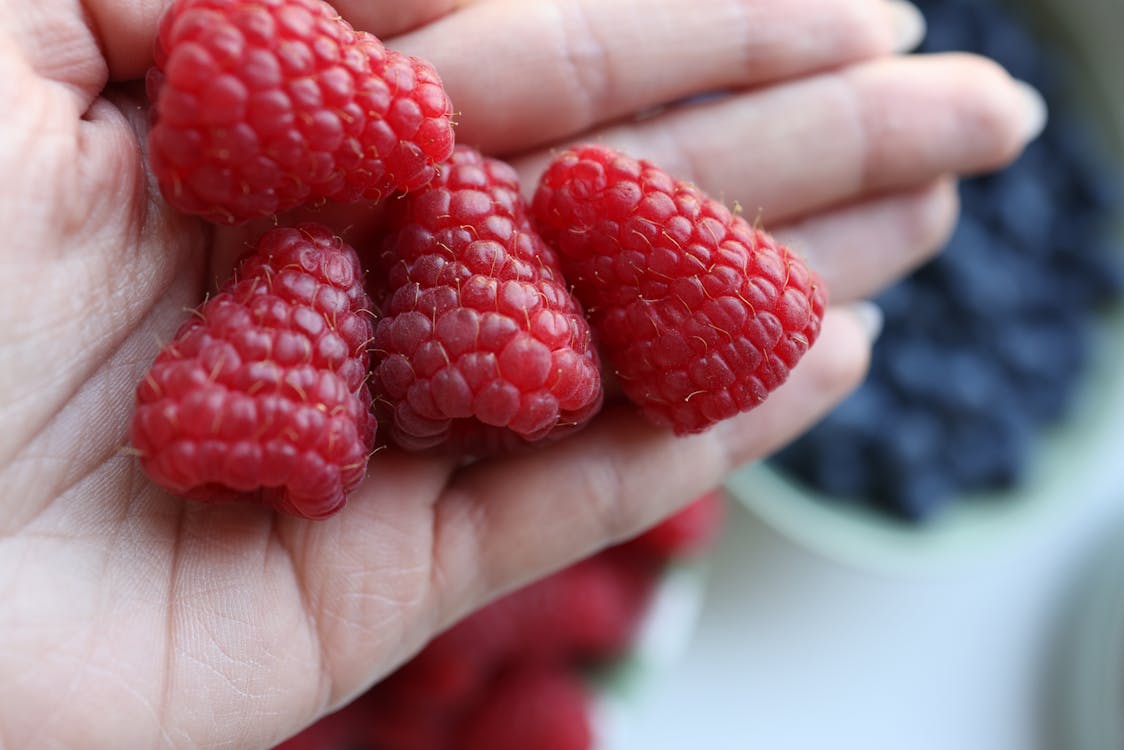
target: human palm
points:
(129, 618)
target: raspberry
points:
(688, 532)
(265, 388)
(481, 345)
(700, 314)
(584, 614)
(590, 612)
(378, 720)
(264, 105)
(531, 708)
(453, 667)
(386, 722)
(335, 731)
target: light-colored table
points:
(795, 651)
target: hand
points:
(129, 618)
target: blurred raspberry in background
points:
(519, 672)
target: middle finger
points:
(798, 148)
(527, 72)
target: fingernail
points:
(1035, 112)
(909, 25)
(869, 317)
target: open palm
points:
(129, 618)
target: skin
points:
(130, 618)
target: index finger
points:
(529, 72)
(122, 31)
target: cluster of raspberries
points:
(477, 322)
(516, 674)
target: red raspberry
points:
(701, 314)
(590, 612)
(481, 343)
(690, 531)
(265, 388)
(531, 708)
(378, 720)
(453, 667)
(584, 614)
(264, 105)
(336, 731)
(386, 722)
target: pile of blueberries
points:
(986, 345)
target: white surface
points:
(796, 652)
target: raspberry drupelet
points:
(263, 393)
(261, 106)
(481, 347)
(700, 314)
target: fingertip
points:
(908, 24)
(1009, 113)
(869, 317)
(1034, 111)
(938, 213)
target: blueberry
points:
(839, 459)
(975, 271)
(1024, 210)
(909, 481)
(898, 299)
(915, 440)
(1025, 348)
(1046, 359)
(910, 307)
(916, 369)
(1045, 402)
(972, 382)
(860, 412)
(951, 25)
(916, 497)
(988, 451)
(834, 455)
(1089, 276)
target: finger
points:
(839, 137)
(371, 580)
(57, 45)
(386, 18)
(113, 39)
(506, 522)
(526, 72)
(861, 248)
